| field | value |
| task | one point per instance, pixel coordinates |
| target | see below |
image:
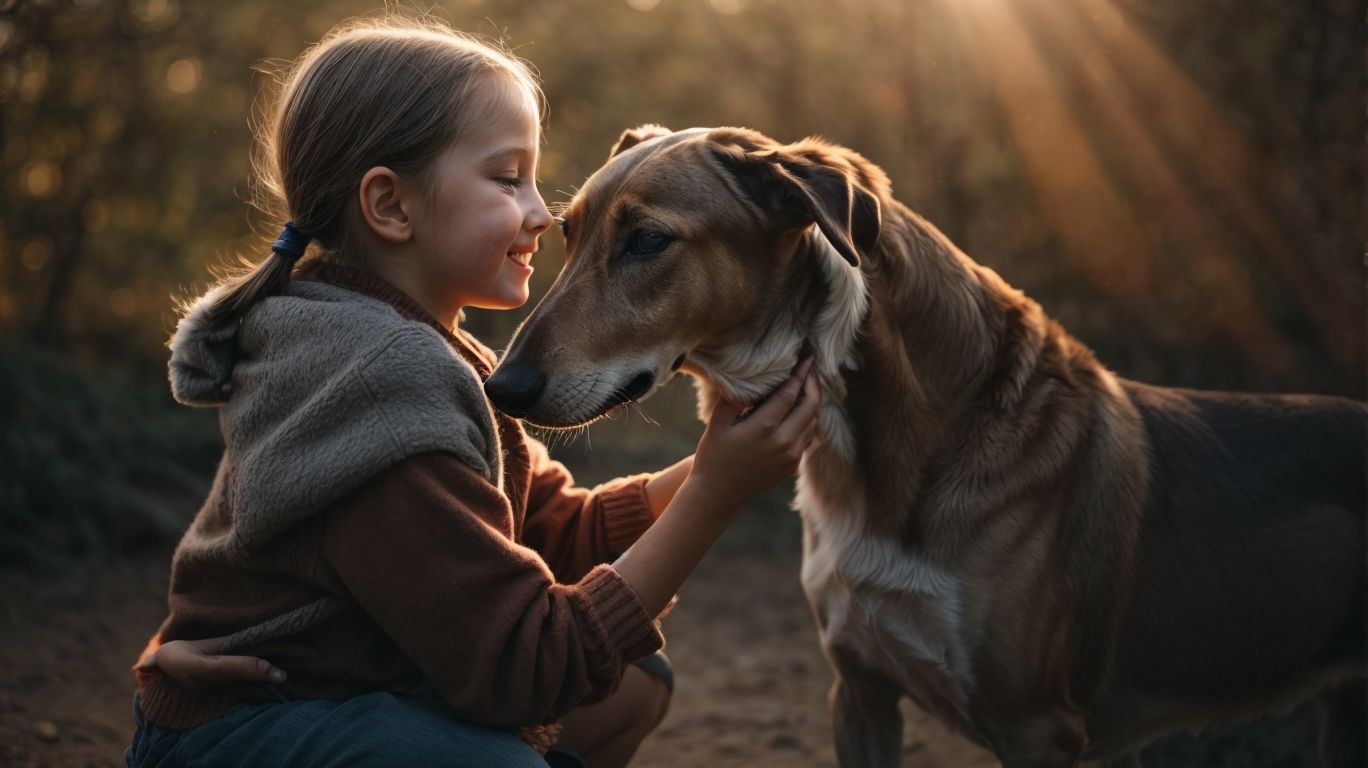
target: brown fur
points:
(1129, 560)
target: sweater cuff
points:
(166, 704)
(626, 513)
(617, 617)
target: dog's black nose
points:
(515, 388)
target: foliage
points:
(93, 462)
(1183, 198)
(1181, 184)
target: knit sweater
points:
(375, 525)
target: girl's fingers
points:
(210, 646)
(773, 411)
(724, 412)
(179, 651)
(803, 417)
(186, 662)
(242, 669)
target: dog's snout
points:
(515, 388)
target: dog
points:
(1061, 564)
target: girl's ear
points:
(385, 205)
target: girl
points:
(431, 579)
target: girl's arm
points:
(736, 461)
(662, 487)
(500, 640)
(575, 528)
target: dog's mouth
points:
(639, 385)
(632, 391)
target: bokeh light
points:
(43, 179)
(183, 76)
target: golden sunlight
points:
(1043, 59)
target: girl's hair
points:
(393, 92)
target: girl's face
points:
(477, 229)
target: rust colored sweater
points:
(481, 581)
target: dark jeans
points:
(375, 729)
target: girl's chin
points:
(511, 298)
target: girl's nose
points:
(539, 218)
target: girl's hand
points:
(741, 457)
(196, 663)
(737, 460)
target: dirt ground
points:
(751, 683)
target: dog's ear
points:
(634, 136)
(805, 188)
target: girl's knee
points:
(429, 733)
(649, 700)
(658, 688)
(660, 702)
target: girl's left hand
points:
(197, 663)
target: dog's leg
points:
(867, 723)
(1344, 733)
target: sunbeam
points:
(1103, 238)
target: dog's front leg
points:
(865, 716)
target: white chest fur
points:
(890, 610)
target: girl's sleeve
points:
(575, 528)
(425, 550)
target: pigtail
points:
(269, 278)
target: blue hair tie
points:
(292, 242)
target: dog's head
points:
(714, 251)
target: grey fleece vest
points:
(318, 390)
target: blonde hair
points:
(391, 91)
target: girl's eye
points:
(647, 242)
(512, 182)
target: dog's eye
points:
(647, 242)
(564, 225)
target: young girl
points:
(437, 589)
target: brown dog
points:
(1059, 563)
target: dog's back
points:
(1254, 504)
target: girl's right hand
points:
(740, 458)
(195, 664)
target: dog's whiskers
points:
(635, 407)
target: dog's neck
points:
(819, 311)
(939, 327)
(952, 357)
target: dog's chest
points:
(880, 606)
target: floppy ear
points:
(802, 190)
(634, 136)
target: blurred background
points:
(1180, 184)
